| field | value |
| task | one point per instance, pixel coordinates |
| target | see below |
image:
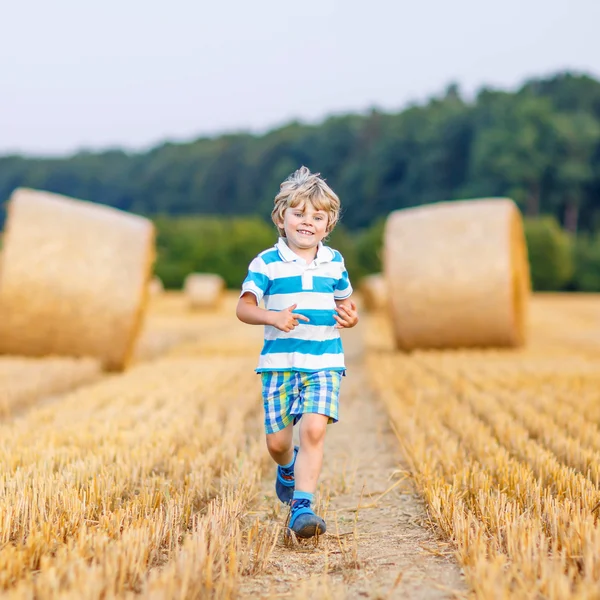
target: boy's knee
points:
(277, 444)
(314, 431)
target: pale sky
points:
(135, 73)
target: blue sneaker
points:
(303, 521)
(285, 482)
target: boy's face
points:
(304, 226)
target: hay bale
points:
(457, 274)
(203, 290)
(74, 278)
(373, 289)
(155, 286)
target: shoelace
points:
(300, 503)
(287, 472)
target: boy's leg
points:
(303, 521)
(283, 453)
(320, 406)
(320, 399)
(310, 456)
(280, 445)
(279, 392)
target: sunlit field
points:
(136, 482)
(505, 448)
(144, 483)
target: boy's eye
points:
(319, 218)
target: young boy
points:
(306, 291)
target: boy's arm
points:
(249, 312)
(347, 314)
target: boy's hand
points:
(347, 315)
(286, 320)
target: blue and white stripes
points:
(280, 278)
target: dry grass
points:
(143, 484)
(24, 381)
(505, 448)
(123, 471)
(173, 329)
(135, 484)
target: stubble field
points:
(155, 483)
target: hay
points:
(374, 293)
(74, 278)
(204, 290)
(155, 286)
(457, 274)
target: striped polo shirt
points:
(280, 278)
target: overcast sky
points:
(133, 73)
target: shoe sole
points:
(309, 530)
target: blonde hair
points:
(303, 186)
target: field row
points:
(134, 483)
(129, 474)
(505, 448)
(171, 328)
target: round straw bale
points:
(74, 278)
(373, 289)
(204, 290)
(156, 287)
(457, 274)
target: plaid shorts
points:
(287, 395)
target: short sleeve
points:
(343, 288)
(257, 280)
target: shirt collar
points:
(324, 254)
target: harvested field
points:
(504, 446)
(468, 473)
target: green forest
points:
(211, 198)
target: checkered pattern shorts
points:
(287, 395)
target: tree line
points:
(539, 145)
(558, 260)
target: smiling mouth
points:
(305, 232)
